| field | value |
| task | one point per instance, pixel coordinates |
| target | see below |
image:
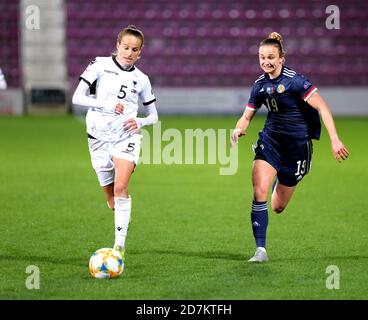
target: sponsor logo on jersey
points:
(113, 72)
(280, 88)
(270, 90)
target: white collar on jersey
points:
(127, 67)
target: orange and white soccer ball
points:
(106, 263)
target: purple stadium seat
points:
(9, 42)
(216, 43)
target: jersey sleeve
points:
(146, 94)
(254, 102)
(92, 72)
(303, 87)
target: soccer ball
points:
(106, 263)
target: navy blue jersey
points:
(285, 98)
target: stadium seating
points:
(9, 45)
(215, 43)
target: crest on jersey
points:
(134, 83)
(280, 88)
(270, 90)
(93, 61)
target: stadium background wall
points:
(201, 56)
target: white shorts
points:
(102, 152)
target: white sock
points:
(122, 216)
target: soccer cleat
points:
(121, 250)
(259, 256)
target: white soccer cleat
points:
(259, 256)
(121, 250)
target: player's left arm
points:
(136, 123)
(148, 99)
(339, 151)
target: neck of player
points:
(275, 73)
(124, 66)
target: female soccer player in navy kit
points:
(284, 148)
(113, 127)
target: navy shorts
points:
(290, 158)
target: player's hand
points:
(339, 151)
(237, 133)
(119, 108)
(131, 125)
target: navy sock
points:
(259, 217)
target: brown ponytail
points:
(274, 39)
(133, 30)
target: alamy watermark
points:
(33, 280)
(333, 20)
(333, 280)
(32, 17)
(193, 146)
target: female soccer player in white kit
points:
(113, 127)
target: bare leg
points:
(109, 195)
(281, 196)
(123, 171)
(262, 176)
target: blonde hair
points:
(274, 39)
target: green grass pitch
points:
(190, 237)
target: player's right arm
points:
(242, 125)
(82, 96)
(251, 108)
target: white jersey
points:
(113, 83)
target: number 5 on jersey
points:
(122, 93)
(130, 147)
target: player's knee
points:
(121, 190)
(260, 193)
(278, 208)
